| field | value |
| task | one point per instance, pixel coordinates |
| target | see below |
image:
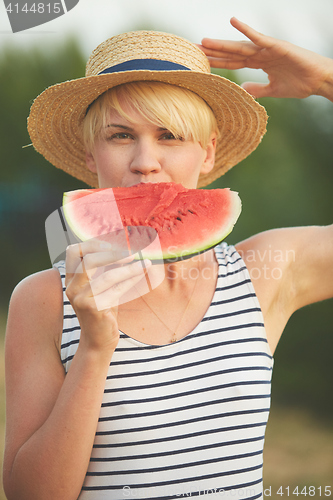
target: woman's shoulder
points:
(36, 306)
(42, 285)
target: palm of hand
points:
(291, 70)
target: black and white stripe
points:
(188, 418)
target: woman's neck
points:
(202, 266)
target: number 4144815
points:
(310, 491)
(54, 7)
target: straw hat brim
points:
(56, 117)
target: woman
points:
(166, 396)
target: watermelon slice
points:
(186, 221)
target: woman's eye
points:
(119, 136)
(169, 136)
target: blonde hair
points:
(179, 110)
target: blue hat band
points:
(145, 64)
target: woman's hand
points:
(292, 71)
(96, 281)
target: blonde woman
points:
(166, 396)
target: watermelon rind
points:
(213, 242)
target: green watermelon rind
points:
(168, 257)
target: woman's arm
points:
(52, 418)
(290, 268)
(292, 71)
(305, 273)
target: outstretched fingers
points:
(226, 63)
(228, 49)
(293, 72)
(229, 54)
(257, 38)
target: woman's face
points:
(130, 152)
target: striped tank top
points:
(186, 419)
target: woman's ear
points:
(209, 161)
(90, 161)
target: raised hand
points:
(292, 71)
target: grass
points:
(298, 452)
(298, 449)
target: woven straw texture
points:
(56, 116)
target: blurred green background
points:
(287, 181)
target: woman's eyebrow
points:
(125, 127)
(116, 125)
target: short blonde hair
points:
(179, 110)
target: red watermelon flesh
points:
(187, 221)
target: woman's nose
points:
(145, 159)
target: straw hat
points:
(56, 115)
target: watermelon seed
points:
(178, 218)
(190, 211)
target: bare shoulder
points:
(277, 240)
(294, 239)
(36, 307)
(269, 255)
(289, 268)
(38, 283)
(299, 257)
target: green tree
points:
(30, 188)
